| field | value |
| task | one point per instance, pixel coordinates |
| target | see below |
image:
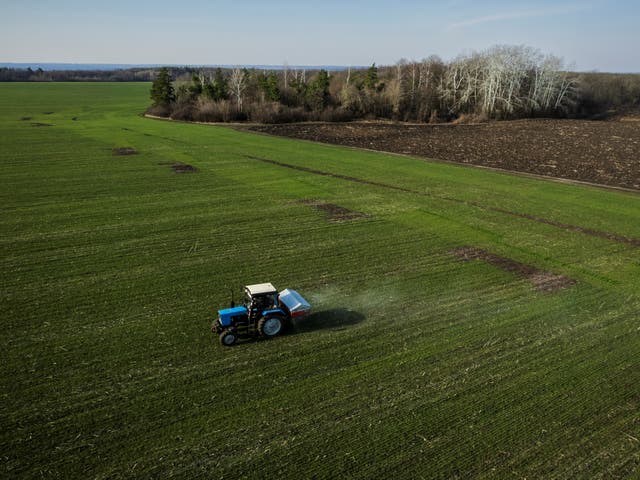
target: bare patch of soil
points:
(335, 213)
(123, 151)
(599, 152)
(39, 124)
(551, 282)
(543, 281)
(179, 167)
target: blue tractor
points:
(264, 313)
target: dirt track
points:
(606, 153)
(573, 228)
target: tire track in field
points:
(635, 242)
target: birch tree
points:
(285, 74)
(238, 85)
(396, 90)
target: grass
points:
(418, 365)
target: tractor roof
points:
(260, 289)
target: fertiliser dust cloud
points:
(332, 297)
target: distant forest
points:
(39, 75)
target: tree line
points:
(503, 82)
(40, 75)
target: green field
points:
(415, 365)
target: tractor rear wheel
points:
(270, 326)
(228, 337)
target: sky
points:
(599, 35)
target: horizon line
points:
(221, 65)
(228, 66)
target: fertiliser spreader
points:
(264, 313)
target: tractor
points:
(264, 314)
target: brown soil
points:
(606, 153)
(39, 124)
(543, 281)
(179, 167)
(335, 213)
(124, 151)
(635, 242)
(627, 114)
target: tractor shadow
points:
(334, 319)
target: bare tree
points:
(452, 84)
(285, 72)
(238, 85)
(566, 91)
(505, 81)
(396, 89)
(552, 87)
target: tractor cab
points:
(260, 297)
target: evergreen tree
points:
(197, 86)
(371, 79)
(299, 88)
(318, 91)
(273, 92)
(162, 92)
(220, 86)
(208, 89)
(269, 86)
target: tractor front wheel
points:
(270, 326)
(228, 337)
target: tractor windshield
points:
(260, 302)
